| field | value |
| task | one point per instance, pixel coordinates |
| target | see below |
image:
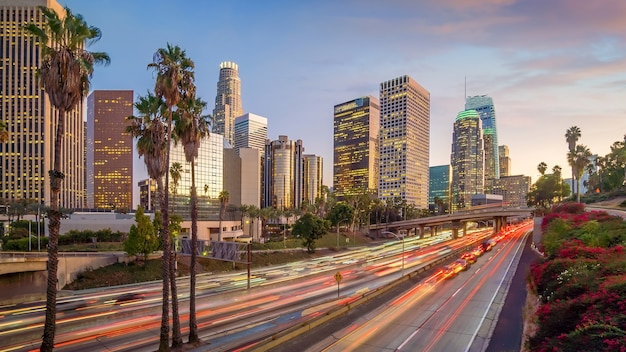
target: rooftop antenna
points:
(465, 97)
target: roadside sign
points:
(338, 277)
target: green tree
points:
(142, 238)
(174, 82)
(65, 73)
(578, 160)
(190, 129)
(150, 130)
(4, 132)
(310, 228)
(341, 213)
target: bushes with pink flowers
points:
(581, 283)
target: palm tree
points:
(65, 73)
(556, 172)
(174, 82)
(4, 132)
(150, 129)
(224, 198)
(542, 167)
(571, 137)
(190, 129)
(579, 159)
(176, 171)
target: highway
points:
(229, 316)
(438, 314)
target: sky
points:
(548, 65)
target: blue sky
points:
(548, 65)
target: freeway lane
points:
(282, 296)
(437, 314)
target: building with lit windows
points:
(404, 141)
(313, 173)
(283, 173)
(355, 146)
(513, 189)
(109, 150)
(28, 155)
(505, 160)
(483, 104)
(228, 104)
(467, 159)
(147, 194)
(439, 189)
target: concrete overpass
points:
(70, 263)
(499, 215)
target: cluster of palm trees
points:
(172, 114)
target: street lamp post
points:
(338, 223)
(401, 239)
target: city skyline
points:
(543, 74)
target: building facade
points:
(356, 126)
(283, 173)
(251, 132)
(483, 104)
(439, 189)
(109, 150)
(148, 194)
(313, 172)
(505, 160)
(467, 159)
(404, 141)
(28, 155)
(228, 104)
(513, 189)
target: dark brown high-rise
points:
(109, 150)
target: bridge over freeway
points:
(458, 220)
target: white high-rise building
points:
(404, 141)
(250, 132)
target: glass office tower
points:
(467, 159)
(440, 188)
(355, 146)
(483, 104)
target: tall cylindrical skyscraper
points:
(483, 104)
(227, 101)
(467, 159)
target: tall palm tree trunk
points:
(164, 338)
(56, 178)
(193, 325)
(177, 339)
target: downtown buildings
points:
(31, 120)
(467, 159)
(228, 104)
(109, 158)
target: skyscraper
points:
(355, 151)
(505, 160)
(227, 101)
(483, 104)
(109, 150)
(250, 132)
(467, 159)
(283, 173)
(313, 172)
(31, 120)
(404, 141)
(439, 190)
